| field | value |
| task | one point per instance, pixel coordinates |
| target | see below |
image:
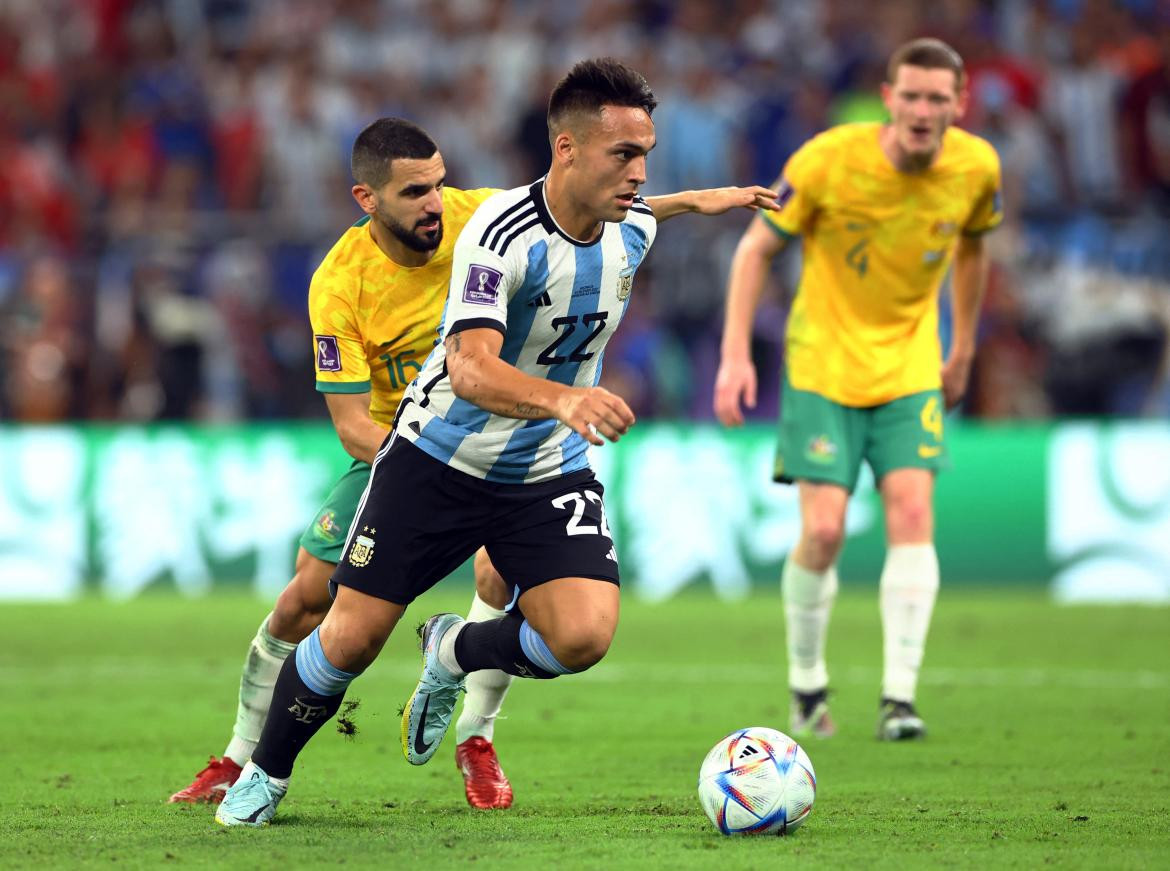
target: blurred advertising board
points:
(1081, 508)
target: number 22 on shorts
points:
(575, 526)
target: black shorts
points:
(420, 519)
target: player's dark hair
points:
(383, 141)
(591, 84)
(928, 53)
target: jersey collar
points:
(550, 223)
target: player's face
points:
(610, 164)
(410, 204)
(922, 103)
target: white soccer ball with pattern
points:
(757, 781)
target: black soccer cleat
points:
(899, 721)
(808, 717)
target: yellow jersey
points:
(876, 244)
(375, 321)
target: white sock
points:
(265, 657)
(279, 783)
(446, 652)
(909, 587)
(485, 689)
(808, 599)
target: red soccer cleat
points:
(210, 784)
(483, 779)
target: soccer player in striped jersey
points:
(489, 444)
(375, 303)
(881, 211)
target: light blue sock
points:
(536, 650)
(315, 669)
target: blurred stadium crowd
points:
(171, 172)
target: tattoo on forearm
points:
(526, 409)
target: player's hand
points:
(593, 413)
(956, 372)
(716, 201)
(735, 384)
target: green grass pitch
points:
(1049, 744)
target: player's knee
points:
(290, 620)
(824, 536)
(297, 613)
(910, 520)
(357, 653)
(352, 648)
(356, 629)
(489, 584)
(580, 649)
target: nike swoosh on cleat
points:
(251, 818)
(421, 746)
(255, 815)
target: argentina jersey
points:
(556, 300)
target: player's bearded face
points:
(410, 204)
(922, 103)
(609, 165)
(425, 233)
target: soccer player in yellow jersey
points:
(881, 211)
(374, 303)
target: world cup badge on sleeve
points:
(784, 192)
(328, 354)
(482, 286)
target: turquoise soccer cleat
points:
(428, 712)
(251, 800)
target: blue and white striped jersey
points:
(556, 300)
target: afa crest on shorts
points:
(362, 551)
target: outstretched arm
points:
(713, 201)
(969, 284)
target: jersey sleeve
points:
(482, 279)
(988, 210)
(641, 217)
(799, 191)
(339, 354)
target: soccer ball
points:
(757, 781)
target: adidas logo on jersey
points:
(541, 300)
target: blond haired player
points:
(881, 211)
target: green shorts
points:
(326, 535)
(825, 442)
